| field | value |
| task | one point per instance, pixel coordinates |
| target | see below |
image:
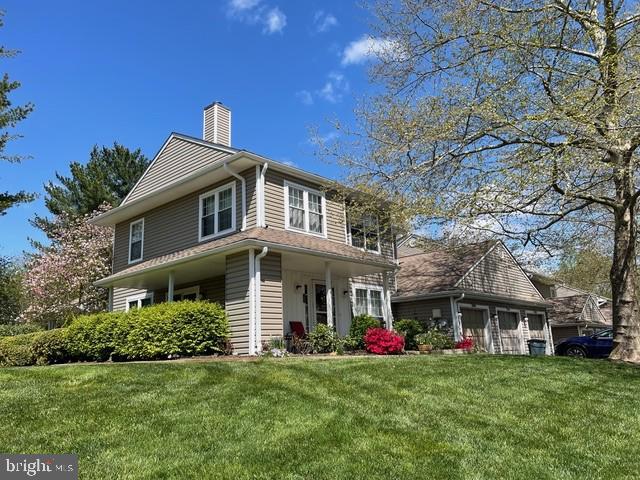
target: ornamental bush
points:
(408, 328)
(19, 329)
(50, 346)
(323, 339)
(91, 337)
(465, 344)
(383, 342)
(359, 327)
(437, 339)
(15, 351)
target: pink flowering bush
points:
(465, 344)
(383, 342)
(59, 277)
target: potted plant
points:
(423, 340)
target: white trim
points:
(546, 330)
(305, 204)
(378, 251)
(136, 260)
(263, 203)
(216, 193)
(258, 300)
(243, 186)
(328, 285)
(137, 298)
(252, 302)
(520, 329)
(487, 323)
(368, 288)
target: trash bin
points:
(537, 347)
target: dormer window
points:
(304, 209)
(365, 233)
(218, 211)
(136, 238)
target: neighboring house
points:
(265, 239)
(477, 290)
(573, 311)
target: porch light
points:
(298, 287)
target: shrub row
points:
(18, 329)
(160, 331)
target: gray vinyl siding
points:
(223, 126)
(211, 289)
(237, 300)
(170, 227)
(178, 159)
(547, 291)
(274, 205)
(120, 297)
(422, 310)
(271, 296)
(499, 274)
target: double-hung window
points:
(218, 211)
(136, 238)
(365, 233)
(139, 301)
(305, 209)
(369, 301)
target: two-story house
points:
(265, 239)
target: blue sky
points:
(133, 72)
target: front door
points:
(510, 332)
(320, 303)
(474, 327)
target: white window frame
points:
(141, 220)
(545, 328)
(520, 329)
(137, 298)
(378, 248)
(488, 328)
(216, 194)
(368, 288)
(305, 197)
(186, 291)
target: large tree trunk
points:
(626, 322)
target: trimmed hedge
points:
(360, 325)
(19, 329)
(160, 331)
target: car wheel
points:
(576, 351)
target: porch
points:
(264, 289)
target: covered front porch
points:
(264, 289)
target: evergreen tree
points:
(9, 117)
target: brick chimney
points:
(217, 124)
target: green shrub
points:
(91, 337)
(50, 346)
(409, 328)
(19, 329)
(437, 339)
(16, 351)
(323, 339)
(359, 326)
(349, 343)
(171, 329)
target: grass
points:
(466, 417)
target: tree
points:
(11, 291)
(522, 116)
(587, 269)
(59, 278)
(10, 116)
(106, 178)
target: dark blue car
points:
(598, 345)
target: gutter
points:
(470, 295)
(225, 165)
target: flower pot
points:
(425, 348)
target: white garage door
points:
(536, 325)
(510, 332)
(474, 325)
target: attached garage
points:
(475, 325)
(536, 323)
(511, 338)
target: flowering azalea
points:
(383, 342)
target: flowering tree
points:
(59, 277)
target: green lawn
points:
(404, 417)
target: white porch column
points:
(171, 287)
(388, 314)
(110, 301)
(327, 282)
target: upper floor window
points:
(136, 238)
(365, 233)
(218, 211)
(304, 209)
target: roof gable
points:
(179, 157)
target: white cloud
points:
(324, 21)
(274, 21)
(305, 97)
(366, 48)
(334, 88)
(253, 12)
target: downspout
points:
(244, 193)
(258, 301)
(263, 173)
(457, 322)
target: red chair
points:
(297, 329)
